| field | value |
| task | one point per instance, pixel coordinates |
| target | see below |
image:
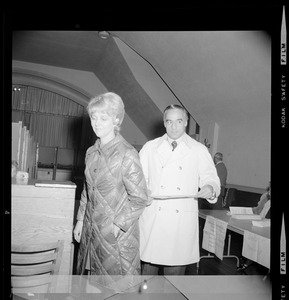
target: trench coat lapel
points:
(181, 151)
(91, 153)
(165, 153)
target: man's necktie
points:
(174, 145)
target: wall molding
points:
(246, 188)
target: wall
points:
(247, 151)
(230, 93)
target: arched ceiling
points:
(217, 75)
(87, 52)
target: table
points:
(170, 287)
(236, 225)
(43, 214)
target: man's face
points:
(175, 123)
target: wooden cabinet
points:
(44, 174)
(44, 213)
(47, 174)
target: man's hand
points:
(206, 192)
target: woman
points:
(113, 197)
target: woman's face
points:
(102, 125)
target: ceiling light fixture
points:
(104, 35)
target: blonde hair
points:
(111, 103)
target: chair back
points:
(229, 198)
(33, 267)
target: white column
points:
(212, 137)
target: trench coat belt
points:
(176, 210)
(164, 208)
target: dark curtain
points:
(53, 120)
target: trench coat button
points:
(180, 167)
(178, 188)
(177, 210)
(159, 208)
(94, 170)
(93, 188)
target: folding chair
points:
(33, 267)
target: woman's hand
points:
(116, 230)
(78, 230)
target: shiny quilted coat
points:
(114, 194)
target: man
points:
(169, 227)
(222, 173)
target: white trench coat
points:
(169, 229)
